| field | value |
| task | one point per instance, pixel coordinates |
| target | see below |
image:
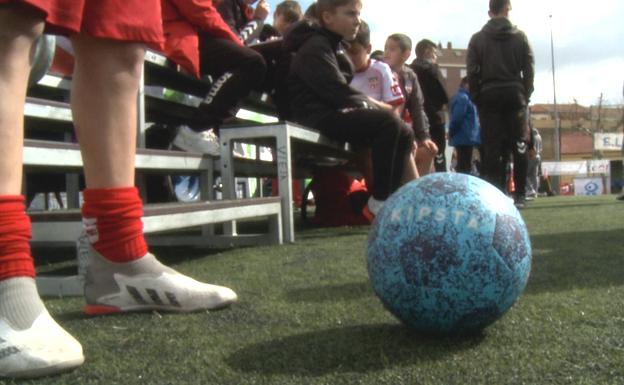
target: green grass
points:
(308, 316)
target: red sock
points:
(112, 221)
(15, 232)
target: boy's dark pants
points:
(388, 137)
(464, 159)
(438, 135)
(235, 70)
(504, 131)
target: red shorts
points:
(125, 20)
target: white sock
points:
(374, 205)
(20, 304)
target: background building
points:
(452, 62)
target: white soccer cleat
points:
(146, 284)
(44, 348)
(205, 142)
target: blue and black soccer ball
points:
(448, 253)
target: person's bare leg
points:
(36, 344)
(410, 171)
(424, 161)
(104, 95)
(18, 30)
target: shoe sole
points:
(103, 310)
(181, 145)
(59, 368)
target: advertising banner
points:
(608, 141)
(588, 186)
(581, 167)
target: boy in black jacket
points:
(321, 98)
(432, 84)
(396, 52)
(501, 72)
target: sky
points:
(588, 39)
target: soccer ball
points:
(448, 253)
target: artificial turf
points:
(307, 315)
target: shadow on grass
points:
(361, 349)
(331, 293)
(576, 260)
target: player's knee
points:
(123, 59)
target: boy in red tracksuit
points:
(198, 39)
(108, 38)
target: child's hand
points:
(429, 145)
(262, 10)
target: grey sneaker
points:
(32, 344)
(146, 284)
(205, 142)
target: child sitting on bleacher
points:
(198, 39)
(321, 98)
(373, 78)
(287, 13)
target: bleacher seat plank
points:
(289, 141)
(47, 109)
(66, 225)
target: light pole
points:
(557, 143)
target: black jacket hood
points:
(302, 31)
(500, 28)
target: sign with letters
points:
(608, 141)
(580, 167)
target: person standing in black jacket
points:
(432, 85)
(500, 74)
(321, 97)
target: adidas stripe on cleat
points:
(146, 284)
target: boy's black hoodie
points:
(500, 56)
(319, 74)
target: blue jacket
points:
(464, 127)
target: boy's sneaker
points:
(38, 347)
(145, 284)
(205, 142)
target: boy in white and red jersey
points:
(376, 80)
(373, 78)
